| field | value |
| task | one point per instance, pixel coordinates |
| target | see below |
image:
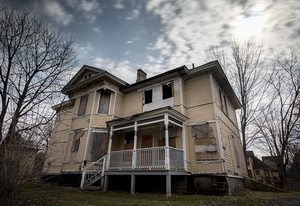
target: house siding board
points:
(100, 120)
(200, 113)
(56, 153)
(119, 105)
(71, 167)
(177, 97)
(90, 103)
(133, 104)
(197, 91)
(63, 121)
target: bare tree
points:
(244, 66)
(279, 122)
(34, 60)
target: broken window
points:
(168, 90)
(225, 102)
(83, 104)
(75, 145)
(236, 151)
(97, 146)
(148, 96)
(221, 101)
(129, 140)
(104, 103)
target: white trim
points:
(217, 122)
(61, 130)
(206, 162)
(181, 96)
(199, 123)
(109, 106)
(114, 109)
(157, 84)
(235, 176)
(61, 141)
(184, 147)
(197, 105)
(99, 98)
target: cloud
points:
(119, 5)
(97, 30)
(122, 69)
(133, 14)
(129, 42)
(86, 9)
(55, 11)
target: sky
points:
(122, 36)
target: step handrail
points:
(100, 170)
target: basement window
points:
(168, 91)
(148, 96)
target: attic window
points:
(148, 96)
(167, 90)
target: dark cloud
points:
(289, 24)
(225, 26)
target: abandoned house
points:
(176, 131)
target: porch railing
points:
(147, 158)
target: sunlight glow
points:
(251, 26)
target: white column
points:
(109, 147)
(168, 185)
(134, 146)
(132, 186)
(167, 152)
(184, 147)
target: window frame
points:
(99, 104)
(145, 96)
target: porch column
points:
(105, 183)
(109, 147)
(168, 185)
(134, 146)
(167, 152)
(184, 146)
(132, 186)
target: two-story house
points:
(179, 126)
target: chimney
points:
(141, 75)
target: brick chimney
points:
(141, 75)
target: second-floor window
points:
(104, 103)
(148, 96)
(168, 91)
(83, 104)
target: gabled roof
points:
(77, 81)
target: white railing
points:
(151, 158)
(121, 159)
(89, 173)
(147, 158)
(176, 158)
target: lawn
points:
(51, 195)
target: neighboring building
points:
(264, 171)
(179, 125)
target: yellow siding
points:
(197, 91)
(96, 102)
(112, 99)
(90, 103)
(82, 147)
(63, 121)
(71, 167)
(200, 113)
(68, 148)
(177, 97)
(133, 104)
(81, 122)
(100, 121)
(56, 153)
(59, 136)
(119, 105)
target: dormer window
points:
(168, 90)
(148, 96)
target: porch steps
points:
(88, 185)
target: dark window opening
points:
(257, 172)
(267, 174)
(250, 173)
(148, 96)
(129, 137)
(225, 102)
(247, 160)
(221, 101)
(82, 105)
(104, 103)
(168, 90)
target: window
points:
(257, 172)
(221, 101)
(225, 102)
(75, 145)
(236, 151)
(129, 137)
(83, 104)
(97, 146)
(250, 173)
(267, 174)
(104, 103)
(167, 90)
(148, 96)
(247, 161)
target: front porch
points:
(150, 143)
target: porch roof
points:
(146, 115)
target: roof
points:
(100, 73)
(257, 163)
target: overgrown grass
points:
(77, 197)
